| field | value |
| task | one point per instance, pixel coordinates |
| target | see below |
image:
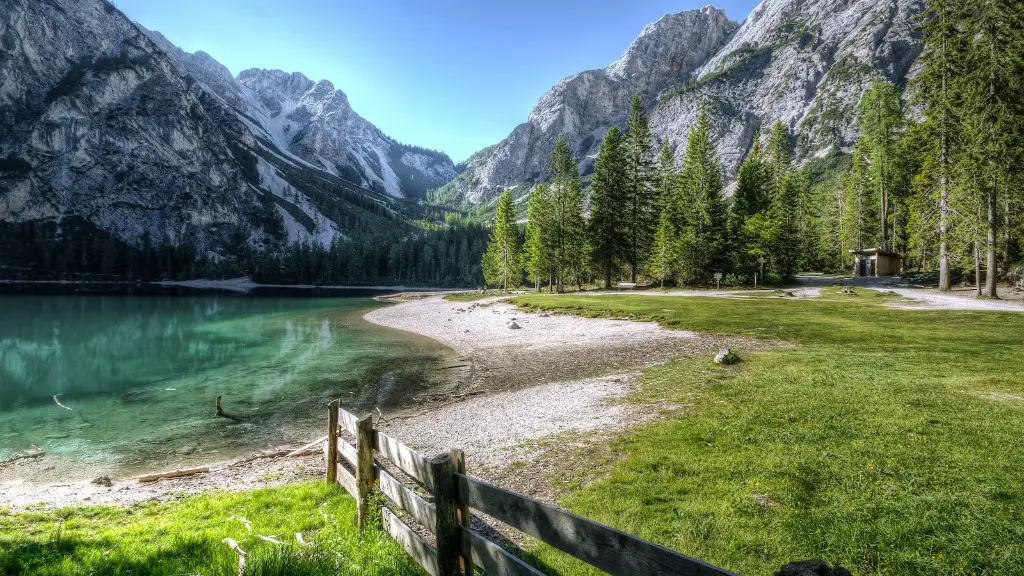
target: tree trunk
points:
(990, 248)
(977, 269)
(944, 275)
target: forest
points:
(934, 175)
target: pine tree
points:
(942, 64)
(568, 229)
(859, 222)
(638, 200)
(750, 198)
(703, 238)
(664, 251)
(665, 184)
(608, 227)
(881, 120)
(993, 114)
(501, 262)
(536, 251)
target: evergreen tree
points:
(778, 156)
(638, 200)
(859, 222)
(536, 252)
(788, 211)
(881, 119)
(667, 179)
(942, 65)
(501, 262)
(703, 238)
(665, 251)
(750, 198)
(993, 114)
(608, 227)
(568, 229)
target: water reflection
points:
(140, 374)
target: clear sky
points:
(453, 75)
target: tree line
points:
(935, 177)
(72, 248)
(651, 219)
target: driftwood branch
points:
(173, 474)
(23, 456)
(241, 554)
(311, 448)
(222, 414)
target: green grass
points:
(473, 296)
(887, 441)
(186, 537)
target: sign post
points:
(718, 280)
(760, 261)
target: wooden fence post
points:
(332, 442)
(449, 543)
(364, 467)
(462, 510)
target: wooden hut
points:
(876, 262)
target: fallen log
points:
(174, 474)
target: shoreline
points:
(512, 388)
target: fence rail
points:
(459, 548)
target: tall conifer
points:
(608, 225)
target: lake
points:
(140, 375)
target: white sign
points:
(718, 275)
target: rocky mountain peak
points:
(665, 46)
(804, 62)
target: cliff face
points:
(585, 106)
(105, 121)
(96, 122)
(805, 62)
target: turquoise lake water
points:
(140, 374)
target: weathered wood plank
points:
(407, 460)
(364, 468)
(348, 420)
(347, 480)
(348, 452)
(420, 510)
(411, 542)
(494, 560)
(332, 442)
(459, 467)
(446, 504)
(611, 550)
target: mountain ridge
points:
(804, 62)
(110, 123)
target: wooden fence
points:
(442, 496)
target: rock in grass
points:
(727, 357)
(811, 568)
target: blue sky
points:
(453, 75)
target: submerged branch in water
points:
(57, 402)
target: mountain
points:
(804, 62)
(314, 123)
(111, 129)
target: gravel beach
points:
(519, 378)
